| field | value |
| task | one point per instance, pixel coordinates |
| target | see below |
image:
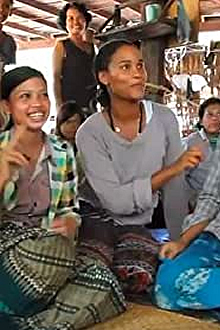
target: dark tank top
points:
(78, 82)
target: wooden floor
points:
(139, 317)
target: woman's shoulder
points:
(60, 44)
(91, 124)
(193, 138)
(164, 114)
(62, 40)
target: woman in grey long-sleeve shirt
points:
(123, 150)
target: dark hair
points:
(13, 78)
(81, 7)
(66, 111)
(204, 106)
(102, 61)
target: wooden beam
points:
(132, 4)
(34, 18)
(40, 5)
(210, 25)
(27, 30)
(209, 7)
(35, 44)
(54, 10)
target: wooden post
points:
(153, 53)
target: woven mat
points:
(139, 317)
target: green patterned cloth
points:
(43, 285)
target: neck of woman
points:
(212, 135)
(125, 111)
(77, 38)
(33, 139)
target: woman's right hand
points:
(11, 158)
(171, 249)
(189, 159)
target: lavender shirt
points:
(118, 172)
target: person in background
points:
(7, 43)
(73, 58)
(7, 52)
(189, 275)
(206, 137)
(69, 118)
(129, 151)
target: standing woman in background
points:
(7, 52)
(73, 57)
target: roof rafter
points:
(27, 29)
(35, 18)
(40, 5)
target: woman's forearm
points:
(163, 176)
(191, 233)
(188, 159)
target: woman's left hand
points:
(65, 226)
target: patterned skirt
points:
(45, 285)
(192, 279)
(129, 251)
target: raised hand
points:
(189, 159)
(11, 157)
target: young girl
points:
(69, 118)
(129, 152)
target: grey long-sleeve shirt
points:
(118, 172)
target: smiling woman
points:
(73, 57)
(25, 148)
(36, 174)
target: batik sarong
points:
(192, 279)
(129, 251)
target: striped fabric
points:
(43, 285)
